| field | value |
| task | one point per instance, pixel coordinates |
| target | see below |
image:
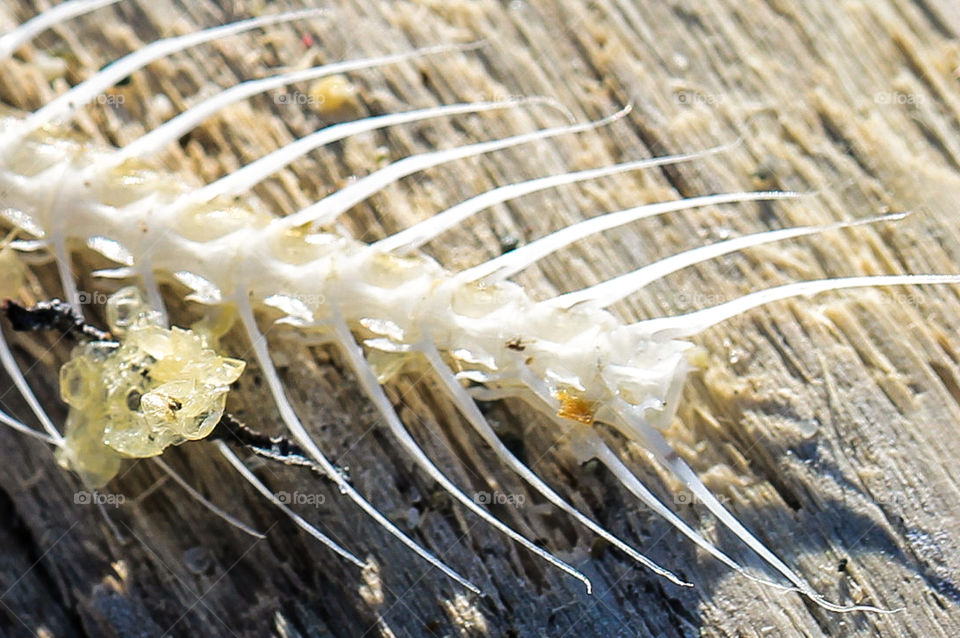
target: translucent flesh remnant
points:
(11, 273)
(154, 388)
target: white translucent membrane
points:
(191, 118)
(10, 42)
(329, 208)
(66, 104)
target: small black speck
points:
(516, 344)
(508, 243)
(133, 400)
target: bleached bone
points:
(299, 433)
(332, 206)
(422, 232)
(591, 444)
(633, 422)
(200, 498)
(16, 375)
(699, 320)
(509, 264)
(86, 91)
(10, 42)
(373, 389)
(242, 179)
(191, 118)
(12, 423)
(613, 290)
(580, 349)
(300, 522)
(587, 444)
(468, 408)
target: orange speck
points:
(574, 408)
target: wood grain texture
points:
(828, 425)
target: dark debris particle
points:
(52, 315)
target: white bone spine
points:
(402, 298)
(628, 376)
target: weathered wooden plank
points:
(828, 425)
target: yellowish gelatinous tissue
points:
(11, 273)
(154, 388)
(332, 94)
